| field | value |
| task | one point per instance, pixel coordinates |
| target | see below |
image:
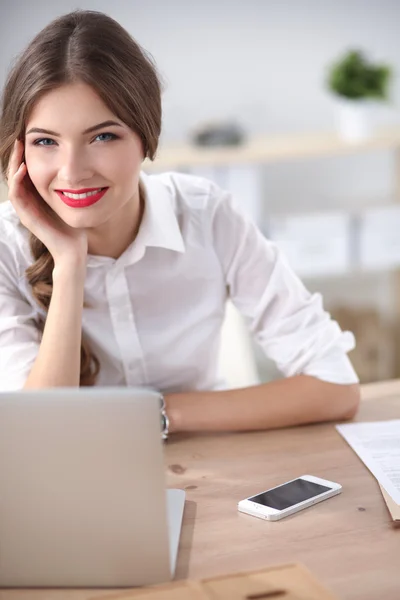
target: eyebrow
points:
(88, 130)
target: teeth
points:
(81, 196)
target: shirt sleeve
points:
(287, 321)
(19, 333)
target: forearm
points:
(59, 356)
(292, 401)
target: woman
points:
(112, 277)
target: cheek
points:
(39, 171)
(126, 174)
(123, 168)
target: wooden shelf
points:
(269, 149)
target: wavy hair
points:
(92, 48)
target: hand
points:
(63, 242)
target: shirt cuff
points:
(333, 369)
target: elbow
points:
(349, 401)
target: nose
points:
(75, 167)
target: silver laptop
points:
(83, 501)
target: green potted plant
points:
(358, 86)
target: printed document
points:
(378, 446)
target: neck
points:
(114, 237)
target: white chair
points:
(237, 363)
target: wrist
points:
(71, 269)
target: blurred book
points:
(379, 240)
(315, 244)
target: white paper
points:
(378, 446)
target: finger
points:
(16, 181)
(15, 158)
(21, 172)
(18, 175)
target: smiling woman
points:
(112, 277)
(99, 145)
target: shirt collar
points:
(159, 226)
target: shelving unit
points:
(270, 150)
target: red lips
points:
(81, 202)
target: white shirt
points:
(156, 311)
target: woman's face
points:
(75, 145)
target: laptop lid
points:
(82, 489)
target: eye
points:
(106, 137)
(44, 142)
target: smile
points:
(81, 198)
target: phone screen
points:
(289, 494)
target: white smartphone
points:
(289, 498)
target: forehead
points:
(69, 106)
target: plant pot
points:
(354, 119)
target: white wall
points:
(260, 61)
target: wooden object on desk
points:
(348, 542)
(283, 582)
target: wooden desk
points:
(348, 542)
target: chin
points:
(82, 222)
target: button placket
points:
(124, 327)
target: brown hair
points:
(92, 48)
